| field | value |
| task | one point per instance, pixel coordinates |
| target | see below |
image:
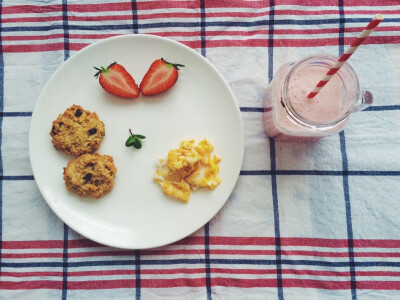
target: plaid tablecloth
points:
(305, 221)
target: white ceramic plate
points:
(136, 214)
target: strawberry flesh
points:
(160, 77)
(117, 81)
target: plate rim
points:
(34, 116)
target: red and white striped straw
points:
(346, 55)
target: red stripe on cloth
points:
(92, 36)
(173, 271)
(364, 243)
(177, 33)
(83, 243)
(24, 9)
(225, 240)
(378, 285)
(31, 244)
(314, 242)
(357, 42)
(101, 273)
(31, 255)
(378, 273)
(376, 254)
(243, 283)
(31, 274)
(243, 271)
(234, 4)
(145, 253)
(103, 7)
(101, 284)
(315, 272)
(76, 18)
(31, 285)
(317, 284)
(32, 19)
(315, 253)
(168, 15)
(32, 48)
(101, 253)
(284, 271)
(148, 5)
(32, 37)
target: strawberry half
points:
(160, 77)
(117, 81)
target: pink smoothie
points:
(326, 107)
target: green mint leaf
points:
(129, 142)
(137, 143)
(139, 136)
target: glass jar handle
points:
(364, 101)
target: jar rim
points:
(331, 59)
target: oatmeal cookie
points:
(77, 131)
(90, 175)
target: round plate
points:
(136, 214)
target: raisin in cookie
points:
(90, 175)
(77, 131)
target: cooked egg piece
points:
(182, 158)
(188, 168)
(180, 190)
(206, 175)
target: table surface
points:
(305, 220)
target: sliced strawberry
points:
(117, 81)
(160, 77)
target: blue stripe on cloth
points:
(135, 27)
(203, 27)
(138, 281)
(273, 158)
(203, 49)
(1, 133)
(16, 114)
(17, 178)
(161, 262)
(252, 109)
(345, 175)
(318, 173)
(65, 250)
(65, 264)
(65, 28)
(384, 107)
(192, 24)
(207, 259)
(348, 215)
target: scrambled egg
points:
(188, 168)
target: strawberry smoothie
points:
(290, 116)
